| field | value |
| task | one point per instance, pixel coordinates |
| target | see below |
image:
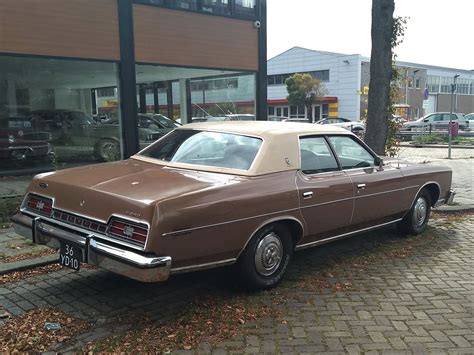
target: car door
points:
(326, 192)
(379, 192)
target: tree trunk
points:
(380, 74)
(309, 112)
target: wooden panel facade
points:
(173, 37)
(72, 28)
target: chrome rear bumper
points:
(446, 200)
(95, 251)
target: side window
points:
(436, 118)
(316, 156)
(351, 154)
(446, 117)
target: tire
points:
(416, 220)
(107, 150)
(264, 261)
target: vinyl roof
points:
(279, 151)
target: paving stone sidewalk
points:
(13, 245)
(404, 295)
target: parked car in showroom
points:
(470, 119)
(437, 120)
(346, 123)
(74, 132)
(17, 148)
(220, 193)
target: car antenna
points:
(220, 108)
(199, 107)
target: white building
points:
(340, 74)
(424, 88)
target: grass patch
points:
(436, 138)
(8, 207)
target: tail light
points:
(128, 230)
(39, 204)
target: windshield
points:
(81, 117)
(224, 150)
(165, 122)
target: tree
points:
(380, 74)
(305, 90)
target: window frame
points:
(357, 140)
(331, 150)
(233, 13)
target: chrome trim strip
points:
(421, 188)
(129, 256)
(328, 202)
(203, 266)
(24, 210)
(189, 230)
(274, 220)
(322, 241)
(83, 231)
(386, 192)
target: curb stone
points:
(28, 264)
(440, 146)
(454, 208)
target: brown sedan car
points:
(220, 193)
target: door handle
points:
(361, 186)
(307, 194)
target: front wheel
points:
(265, 260)
(416, 220)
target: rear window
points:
(216, 149)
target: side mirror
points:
(379, 163)
(426, 120)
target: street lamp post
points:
(450, 129)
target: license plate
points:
(70, 256)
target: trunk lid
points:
(128, 188)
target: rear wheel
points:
(416, 220)
(264, 261)
(107, 150)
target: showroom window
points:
(215, 94)
(221, 7)
(51, 117)
(247, 8)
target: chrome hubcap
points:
(268, 254)
(420, 211)
(109, 151)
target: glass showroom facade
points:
(115, 83)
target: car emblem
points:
(40, 205)
(82, 203)
(43, 185)
(128, 231)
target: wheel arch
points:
(294, 225)
(433, 189)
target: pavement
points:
(400, 295)
(462, 164)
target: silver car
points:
(437, 120)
